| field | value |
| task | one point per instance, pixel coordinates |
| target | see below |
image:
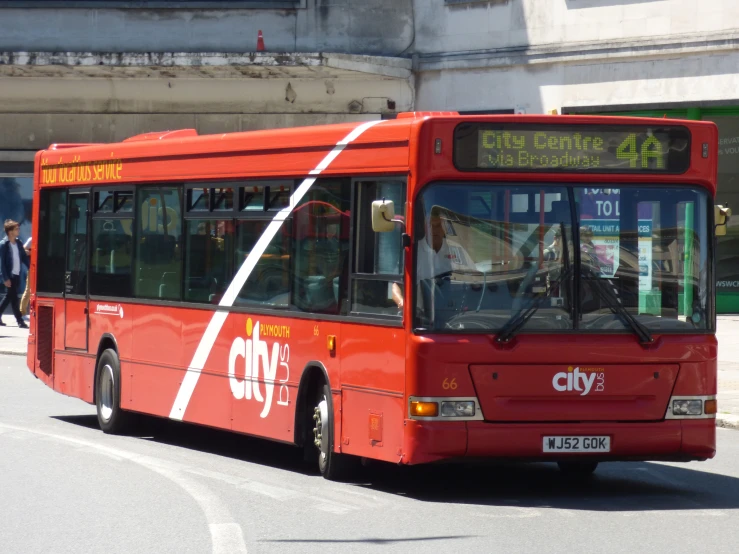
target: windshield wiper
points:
(517, 321)
(610, 299)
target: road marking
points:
(225, 534)
(278, 493)
(227, 538)
(192, 374)
(513, 512)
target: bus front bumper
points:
(669, 440)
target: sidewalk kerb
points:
(727, 421)
(12, 353)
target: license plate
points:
(577, 444)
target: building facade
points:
(92, 71)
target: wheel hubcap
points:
(320, 439)
(106, 392)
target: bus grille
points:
(45, 338)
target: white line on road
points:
(225, 534)
(514, 512)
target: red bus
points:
(435, 287)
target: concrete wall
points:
(480, 25)
(541, 88)
(379, 27)
(538, 56)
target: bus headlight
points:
(465, 408)
(687, 407)
(440, 408)
(691, 407)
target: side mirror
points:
(721, 219)
(383, 212)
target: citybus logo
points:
(581, 380)
(257, 358)
(109, 309)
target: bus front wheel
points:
(332, 465)
(111, 418)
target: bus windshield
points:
(562, 257)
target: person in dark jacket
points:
(12, 255)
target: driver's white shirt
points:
(432, 263)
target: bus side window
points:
(159, 246)
(377, 278)
(320, 270)
(267, 284)
(112, 245)
(208, 243)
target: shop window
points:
(727, 254)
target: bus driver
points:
(434, 258)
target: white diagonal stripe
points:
(219, 318)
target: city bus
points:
(430, 288)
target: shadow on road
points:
(616, 487)
(211, 441)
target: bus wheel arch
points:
(107, 381)
(107, 341)
(313, 377)
(315, 424)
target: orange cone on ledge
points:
(260, 42)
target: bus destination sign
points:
(572, 148)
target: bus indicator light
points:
(424, 409)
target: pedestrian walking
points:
(12, 255)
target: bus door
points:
(76, 313)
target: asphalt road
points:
(67, 487)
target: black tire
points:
(577, 469)
(332, 465)
(111, 417)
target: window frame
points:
(354, 237)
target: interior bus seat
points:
(112, 251)
(169, 284)
(201, 289)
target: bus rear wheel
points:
(111, 417)
(577, 469)
(332, 465)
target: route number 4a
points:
(639, 158)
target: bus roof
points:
(181, 154)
